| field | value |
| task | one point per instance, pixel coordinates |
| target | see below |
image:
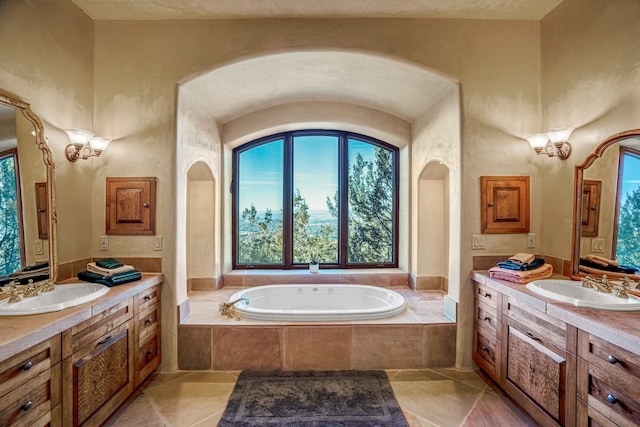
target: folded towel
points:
(94, 268)
(613, 268)
(521, 276)
(522, 258)
(510, 265)
(602, 260)
(116, 279)
(109, 263)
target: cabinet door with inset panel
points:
(131, 206)
(504, 204)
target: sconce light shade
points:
(79, 137)
(99, 144)
(560, 135)
(84, 144)
(538, 141)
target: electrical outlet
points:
(104, 243)
(531, 240)
(157, 243)
(39, 250)
(477, 242)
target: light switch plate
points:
(531, 240)
(157, 243)
(477, 242)
(39, 250)
(104, 243)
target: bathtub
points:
(315, 303)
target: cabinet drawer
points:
(487, 295)
(613, 397)
(487, 318)
(91, 330)
(147, 358)
(31, 403)
(146, 299)
(28, 364)
(610, 358)
(546, 329)
(486, 352)
(147, 322)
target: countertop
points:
(621, 328)
(18, 333)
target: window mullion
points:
(343, 196)
(287, 205)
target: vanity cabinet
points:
(539, 362)
(608, 383)
(147, 333)
(30, 392)
(97, 366)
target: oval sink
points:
(572, 292)
(63, 296)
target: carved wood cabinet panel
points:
(504, 204)
(131, 206)
(591, 207)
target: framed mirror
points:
(27, 204)
(603, 183)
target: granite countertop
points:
(621, 328)
(18, 333)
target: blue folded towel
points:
(116, 279)
(510, 265)
(109, 263)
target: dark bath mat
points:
(313, 399)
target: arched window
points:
(325, 196)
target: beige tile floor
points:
(427, 397)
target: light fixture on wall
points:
(553, 143)
(84, 144)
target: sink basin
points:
(572, 292)
(63, 296)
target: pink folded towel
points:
(522, 258)
(515, 276)
(92, 267)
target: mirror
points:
(27, 189)
(596, 198)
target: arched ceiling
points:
(380, 83)
(233, 9)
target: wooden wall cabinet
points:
(42, 210)
(131, 206)
(591, 207)
(504, 204)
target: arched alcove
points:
(200, 226)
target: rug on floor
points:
(313, 399)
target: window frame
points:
(623, 151)
(13, 152)
(288, 195)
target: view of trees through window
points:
(9, 221)
(628, 242)
(342, 196)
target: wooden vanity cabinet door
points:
(147, 333)
(102, 375)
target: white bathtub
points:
(314, 303)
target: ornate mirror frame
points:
(25, 109)
(578, 189)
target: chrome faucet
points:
(600, 285)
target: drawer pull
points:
(612, 359)
(106, 340)
(149, 351)
(147, 298)
(487, 295)
(611, 399)
(485, 348)
(533, 337)
(26, 366)
(27, 406)
(148, 321)
(487, 318)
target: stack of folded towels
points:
(36, 272)
(594, 264)
(109, 272)
(521, 268)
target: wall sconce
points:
(553, 143)
(84, 144)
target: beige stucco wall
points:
(590, 80)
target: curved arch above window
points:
(315, 195)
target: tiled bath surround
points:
(421, 337)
